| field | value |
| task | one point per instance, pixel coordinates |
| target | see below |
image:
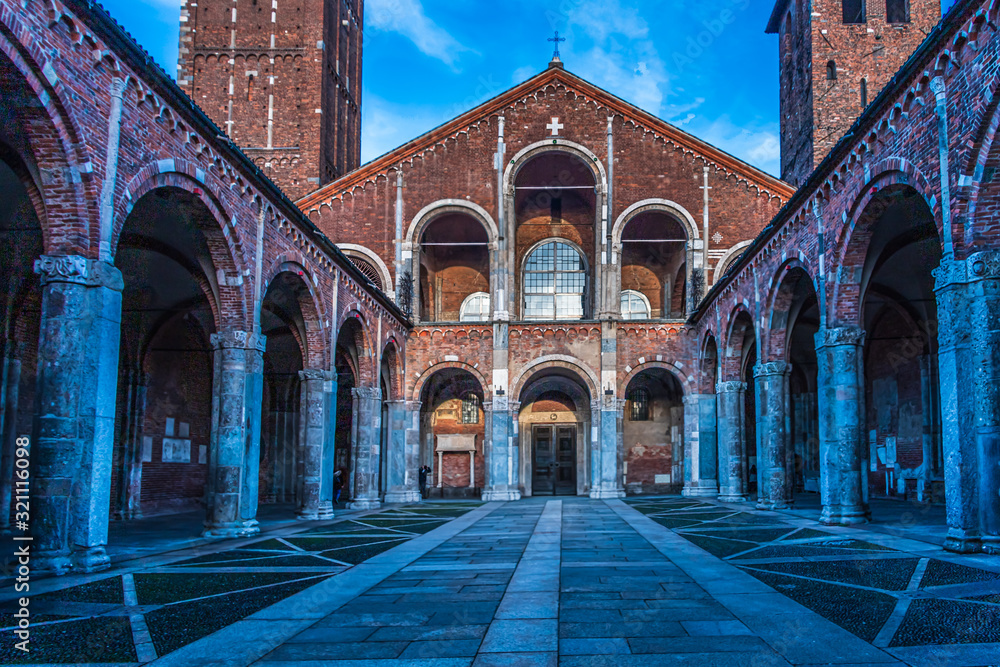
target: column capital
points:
(840, 336)
(79, 271)
(315, 374)
(373, 393)
(978, 266)
(772, 368)
(730, 386)
(230, 339)
(413, 406)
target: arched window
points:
(639, 405)
(367, 268)
(476, 308)
(864, 93)
(635, 305)
(470, 408)
(854, 11)
(831, 71)
(897, 11)
(555, 279)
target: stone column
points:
(403, 451)
(701, 444)
(367, 431)
(314, 403)
(329, 458)
(968, 300)
(501, 462)
(772, 429)
(77, 389)
(929, 412)
(608, 465)
(237, 388)
(10, 384)
(732, 441)
(841, 397)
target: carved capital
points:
(938, 87)
(984, 265)
(236, 339)
(314, 374)
(730, 386)
(949, 272)
(499, 403)
(772, 368)
(370, 393)
(79, 271)
(840, 336)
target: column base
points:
(323, 512)
(604, 494)
(365, 504)
(91, 559)
(402, 497)
(505, 495)
(733, 498)
(779, 505)
(963, 544)
(991, 545)
(700, 491)
(231, 530)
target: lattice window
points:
(638, 400)
(555, 279)
(634, 305)
(470, 409)
(371, 273)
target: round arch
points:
(740, 321)
(392, 358)
(441, 207)
(427, 373)
(780, 299)
(313, 340)
(668, 366)
(525, 155)
(362, 341)
(372, 258)
(587, 375)
(727, 259)
(666, 206)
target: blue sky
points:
(704, 66)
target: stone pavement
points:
(573, 582)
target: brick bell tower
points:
(835, 57)
(282, 78)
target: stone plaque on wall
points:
(176, 450)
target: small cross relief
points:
(554, 126)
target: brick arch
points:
(435, 366)
(435, 210)
(673, 209)
(313, 347)
(984, 149)
(779, 303)
(581, 152)
(70, 206)
(394, 360)
(670, 367)
(731, 355)
(584, 373)
(851, 250)
(365, 373)
(706, 380)
(222, 243)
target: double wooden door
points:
(553, 460)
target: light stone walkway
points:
(538, 582)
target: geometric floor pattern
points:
(887, 597)
(138, 616)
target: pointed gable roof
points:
(557, 75)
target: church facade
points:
(555, 293)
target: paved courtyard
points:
(571, 581)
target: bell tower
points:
(835, 57)
(282, 78)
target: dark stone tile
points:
(943, 573)
(891, 574)
(948, 622)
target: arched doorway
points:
(653, 432)
(164, 421)
(452, 434)
(555, 440)
(350, 349)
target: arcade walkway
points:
(573, 581)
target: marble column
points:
(234, 459)
(772, 429)
(701, 444)
(76, 395)
(841, 397)
(367, 431)
(10, 383)
(501, 459)
(732, 441)
(401, 465)
(314, 400)
(968, 300)
(608, 467)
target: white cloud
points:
(755, 144)
(385, 126)
(522, 74)
(407, 18)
